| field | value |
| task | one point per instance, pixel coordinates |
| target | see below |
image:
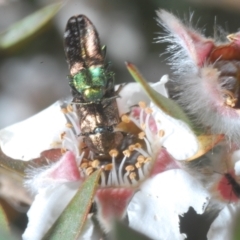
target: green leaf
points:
(121, 231)
(236, 229)
(3, 220)
(166, 104)
(71, 221)
(28, 26)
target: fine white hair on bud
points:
(206, 82)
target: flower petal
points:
(47, 207)
(222, 226)
(27, 139)
(133, 93)
(154, 210)
(178, 139)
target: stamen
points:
(132, 176)
(127, 153)
(69, 108)
(63, 150)
(129, 168)
(64, 110)
(131, 147)
(141, 159)
(142, 104)
(62, 135)
(161, 133)
(108, 167)
(84, 165)
(113, 153)
(138, 165)
(125, 119)
(120, 170)
(95, 163)
(141, 135)
(69, 125)
(89, 171)
(148, 110)
(138, 145)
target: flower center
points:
(229, 81)
(130, 163)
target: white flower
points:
(161, 141)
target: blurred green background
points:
(33, 75)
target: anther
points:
(143, 126)
(64, 110)
(142, 104)
(138, 165)
(89, 171)
(161, 133)
(141, 135)
(69, 108)
(113, 153)
(108, 167)
(125, 119)
(147, 159)
(138, 145)
(69, 125)
(132, 175)
(141, 159)
(129, 168)
(62, 135)
(131, 147)
(95, 163)
(84, 165)
(63, 150)
(126, 153)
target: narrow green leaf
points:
(236, 229)
(166, 104)
(121, 231)
(28, 26)
(71, 221)
(3, 220)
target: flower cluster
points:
(163, 166)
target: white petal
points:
(155, 208)
(222, 226)
(47, 207)
(133, 93)
(178, 139)
(27, 139)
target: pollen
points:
(113, 153)
(129, 168)
(161, 133)
(141, 135)
(142, 105)
(69, 108)
(125, 119)
(89, 171)
(127, 153)
(69, 125)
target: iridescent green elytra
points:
(89, 76)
